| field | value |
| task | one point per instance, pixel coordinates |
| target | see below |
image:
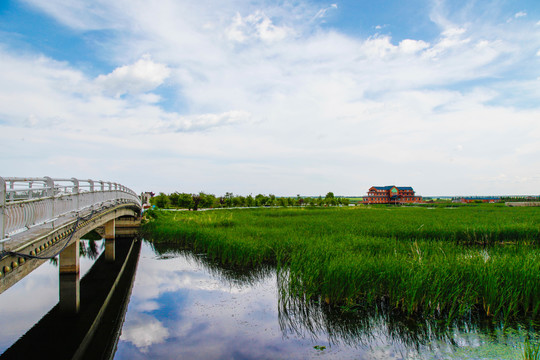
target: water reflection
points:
(225, 272)
(26, 302)
(91, 248)
(179, 309)
(185, 305)
(93, 331)
(402, 336)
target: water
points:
(184, 306)
(26, 302)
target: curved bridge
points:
(43, 217)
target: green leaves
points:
(351, 256)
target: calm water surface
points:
(26, 302)
(186, 307)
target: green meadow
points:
(437, 262)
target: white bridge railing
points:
(28, 202)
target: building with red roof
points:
(391, 195)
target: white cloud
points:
(412, 46)
(270, 99)
(520, 14)
(143, 330)
(201, 122)
(255, 26)
(451, 38)
(454, 32)
(65, 100)
(142, 76)
(322, 12)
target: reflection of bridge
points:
(43, 217)
(95, 331)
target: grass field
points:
(437, 262)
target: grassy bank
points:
(440, 262)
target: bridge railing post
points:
(11, 187)
(76, 191)
(29, 196)
(49, 192)
(116, 193)
(30, 215)
(101, 190)
(92, 193)
(2, 208)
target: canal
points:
(184, 306)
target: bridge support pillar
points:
(109, 240)
(69, 279)
(69, 259)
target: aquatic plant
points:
(443, 263)
(531, 351)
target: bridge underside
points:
(60, 235)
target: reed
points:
(438, 262)
(531, 351)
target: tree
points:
(228, 199)
(208, 200)
(239, 201)
(174, 199)
(260, 200)
(196, 200)
(185, 201)
(161, 201)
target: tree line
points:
(177, 200)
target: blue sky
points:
(290, 97)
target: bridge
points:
(41, 218)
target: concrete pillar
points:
(109, 240)
(69, 279)
(69, 259)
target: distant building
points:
(391, 195)
(145, 199)
(476, 199)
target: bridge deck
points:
(48, 239)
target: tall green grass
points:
(531, 351)
(442, 263)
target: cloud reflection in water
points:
(206, 317)
(26, 302)
(184, 306)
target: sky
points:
(274, 97)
